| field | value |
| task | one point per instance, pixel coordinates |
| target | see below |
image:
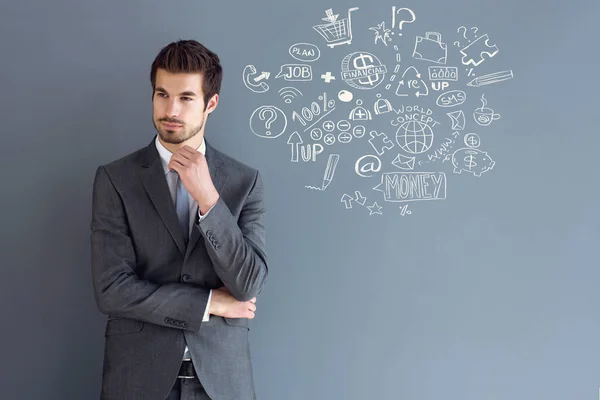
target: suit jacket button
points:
(168, 320)
(186, 277)
(184, 324)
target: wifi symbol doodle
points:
(289, 93)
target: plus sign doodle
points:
(399, 162)
(327, 77)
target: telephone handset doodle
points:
(249, 74)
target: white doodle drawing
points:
(329, 139)
(336, 32)
(268, 122)
(344, 137)
(288, 94)
(305, 52)
(415, 112)
(471, 160)
(329, 172)
(437, 86)
(451, 98)
(484, 115)
(491, 78)
(381, 33)
(472, 140)
(404, 210)
(470, 72)
(396, 68)
(295, 140)
(412, 85)
(347, 200)
(330, 169)
(474, 52)
(328, 126)
(443, 149)
(253, 80)
(382, 106)
(430, 48)
(380, 142)
(359, 131)
(371, 165)
(375, 209)
(458, 120)
(316, 134)
(359, 113)
(317, 112)
(438, 73)
(412, 186)
(360, 199)
(363, 70)
(327, 77)
(296, 72)
(414, 137)
(457, 43)
(344, 125)
(345, 96)
(404, 162)
(308, 152)
(408, 11)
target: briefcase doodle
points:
(430, 48)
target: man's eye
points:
(160, 94)
(187, 98)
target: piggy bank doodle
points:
(471, 160)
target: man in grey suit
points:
(178, 248)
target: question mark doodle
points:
(270, 120)
(394, 12)
(476, 29)
(458, 31)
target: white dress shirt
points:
(165, 158)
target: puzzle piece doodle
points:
(380, 142)
(473, 54)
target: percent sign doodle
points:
(315, 110)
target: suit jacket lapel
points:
(155, 183)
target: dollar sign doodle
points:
(472, 141)
(364, 65)
(470, 161)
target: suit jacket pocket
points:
(120, 326)
(243, 322)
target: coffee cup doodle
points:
(484, 115)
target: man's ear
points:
(212, 103)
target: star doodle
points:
(378, 207)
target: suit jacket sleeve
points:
(237, 248)
(117, 288)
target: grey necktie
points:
(182, 205)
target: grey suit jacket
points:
(154, 289)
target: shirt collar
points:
(165, 154)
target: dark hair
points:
(189, 56)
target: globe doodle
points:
(414, 137)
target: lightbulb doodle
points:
(411, 140)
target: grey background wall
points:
(488, 294)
